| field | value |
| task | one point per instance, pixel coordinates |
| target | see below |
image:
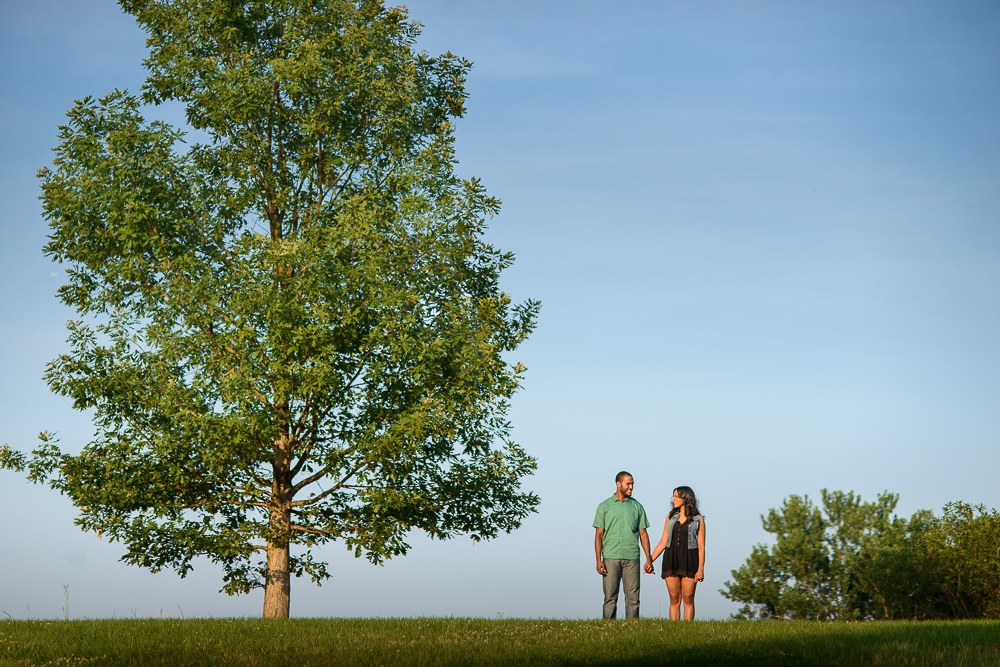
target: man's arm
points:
(644, 541)
(598, 548)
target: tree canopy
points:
(291, 330)
(852, 560)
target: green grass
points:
(460, 641)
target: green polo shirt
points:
(621, 520)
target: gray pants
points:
(621, 570)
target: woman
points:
(684, 542)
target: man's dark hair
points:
(622, 475)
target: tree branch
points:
(337, 487)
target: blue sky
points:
(766, 240)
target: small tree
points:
(852, 560)
(292, 332)
(812, 570)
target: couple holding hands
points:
(621, 525)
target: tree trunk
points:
(278, 585)
(277, 582)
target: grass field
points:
(460, 641)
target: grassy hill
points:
(462, 641)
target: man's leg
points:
(630, 578)
(611, 581)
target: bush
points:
(851, 560)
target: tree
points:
(852, 560)
(291, 331)
(886, 570)
(813, 571)
(951, 569)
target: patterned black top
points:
(678, 559)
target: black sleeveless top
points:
(678, 559)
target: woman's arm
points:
(663, 541)
(701, 550)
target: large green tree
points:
(291, 329)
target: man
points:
(619, 522)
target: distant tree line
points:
(854, 560)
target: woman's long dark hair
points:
(690, 502)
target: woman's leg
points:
(674, 589)
(687, 593)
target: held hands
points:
(647, 568)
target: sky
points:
(765, 236)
